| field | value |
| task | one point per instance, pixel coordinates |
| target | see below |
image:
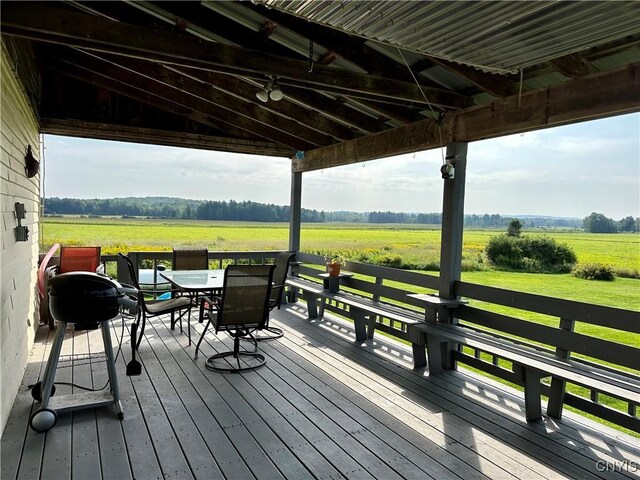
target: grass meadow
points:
(412, 243)
(360, 242)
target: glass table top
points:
(195, 279)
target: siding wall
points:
(18, 260)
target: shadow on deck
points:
(322, 407)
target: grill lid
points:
(84, 284)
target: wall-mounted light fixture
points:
(22, 232)
(31, 165)
(271, 90)
(448, 170)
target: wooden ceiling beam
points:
(246, 90)
(210, 20)
(336, 110)
(56, 25)
(220, 98)
(573, 65)
(142, 96)
(190, 15)
(125, 76)
(586, 98)
(153, 136)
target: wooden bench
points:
(529, 366)
(363, 311)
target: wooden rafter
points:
(194, 16)
(573, 65)
(163, 90)
(55, 25)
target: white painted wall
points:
(18, 260)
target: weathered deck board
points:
(86, 457)
(322, 407)
(503, 423)
(14, 438)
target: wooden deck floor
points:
(322, 407)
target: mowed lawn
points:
(407, 241)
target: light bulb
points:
(262, 95)
(276, 94)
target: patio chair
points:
(79, 259)
(190, 259)
(243, 309)
(281, 262)
(156, 307)
(194, 259)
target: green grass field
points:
(355, 241)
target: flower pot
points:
(333, 269)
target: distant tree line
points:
(165, 207)
(179, 208)
(598, 223)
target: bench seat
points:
(531, 364)
(363, 311)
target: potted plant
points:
(333, 265)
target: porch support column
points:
(296, 210)
(452, 220)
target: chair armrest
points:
(213, 301)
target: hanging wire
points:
(428, 103)
(520, 89)
(310, 56)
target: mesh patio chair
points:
(194, 259)
(190, 259)
(154, 307)
(79, 259)
(281, 262)
(243, 309)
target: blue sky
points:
(565, 171)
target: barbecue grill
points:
(80, 298)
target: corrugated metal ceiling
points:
(492, 36)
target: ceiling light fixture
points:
(271, 90)
(275, 94)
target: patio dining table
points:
(197, 284)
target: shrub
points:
(594, 271)
(626, 272)
(389, 261)
(530, 254)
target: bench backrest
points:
(384, 284)
(563, 326)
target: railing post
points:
(122, 271)
(557, 389)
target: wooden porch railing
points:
(565, 328)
